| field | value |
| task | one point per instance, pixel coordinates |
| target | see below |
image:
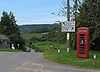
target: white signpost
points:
(68, 26)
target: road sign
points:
(68, 26)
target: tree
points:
(9, 28)
(42, 30)
(89, 16)
(73, 12)
(8, 24)
(56, 35)
(73, 8)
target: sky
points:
(33, 11)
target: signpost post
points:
(68, 26)
(68, 19)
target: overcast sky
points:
(33, 11)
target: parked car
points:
(28, 49)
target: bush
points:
(96, 44)
(15, 39)
(36, 49)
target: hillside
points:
(34, 27)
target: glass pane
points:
(82, 44)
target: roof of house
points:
(3, 37)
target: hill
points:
(34, 27)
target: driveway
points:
(32, 62)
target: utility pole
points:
(68, 19)
(76, 7)
(68, 11)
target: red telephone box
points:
(83, 42)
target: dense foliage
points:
(89, 16)
(9, 28)
(56, 35)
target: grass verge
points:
(67, 58)
(9, 50)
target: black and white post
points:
(94, 61)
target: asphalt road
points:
(32, 62)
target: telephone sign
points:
(68, 26)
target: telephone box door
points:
(82, 42)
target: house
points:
(4, 41)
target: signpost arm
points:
(68, 19)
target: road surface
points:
(32, 62)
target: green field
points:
(27, 36)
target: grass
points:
(63, 57)
(9, 50)
(67, 58)
(44, 46)
(27, 36)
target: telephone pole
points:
(76, 7)
(68, 19)
(68, 10)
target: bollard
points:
(58, 51)
(67, 50)
(51, 47)
(13, 46)
(58, 54)
(94, 61)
